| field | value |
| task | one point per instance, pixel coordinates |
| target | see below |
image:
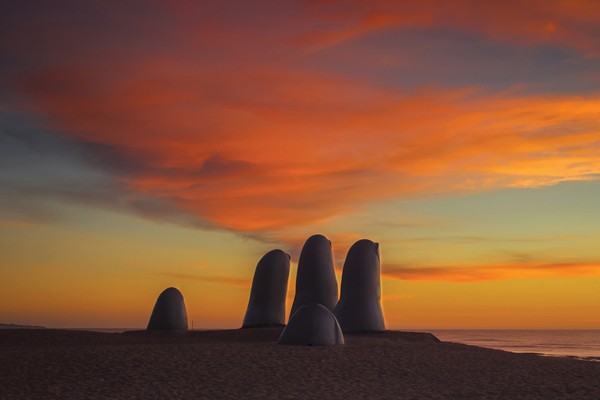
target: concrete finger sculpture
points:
(359, 308)
(169, 313)
(312, 325)
(315, 281)
(266, 306)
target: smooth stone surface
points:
(312, 325)
(169, 313)
(359, 308)
(316, 281)
(266, 306)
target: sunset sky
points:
(147, 144)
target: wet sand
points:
(248, 363)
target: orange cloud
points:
(290, 149)
(15, 224)
(223, 124)
(490, 272)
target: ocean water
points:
(583, 344)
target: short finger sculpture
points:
(169, 313)
(312, 325)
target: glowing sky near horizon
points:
(153, 144)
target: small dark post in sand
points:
(359, 308)
(312, 325)
(266, 306)
(169, 313)
(315, 281)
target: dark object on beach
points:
(169, 313)
(316, 281)
(266, 306)
(359, 308)
(312, 325)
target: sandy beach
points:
(248, 363)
